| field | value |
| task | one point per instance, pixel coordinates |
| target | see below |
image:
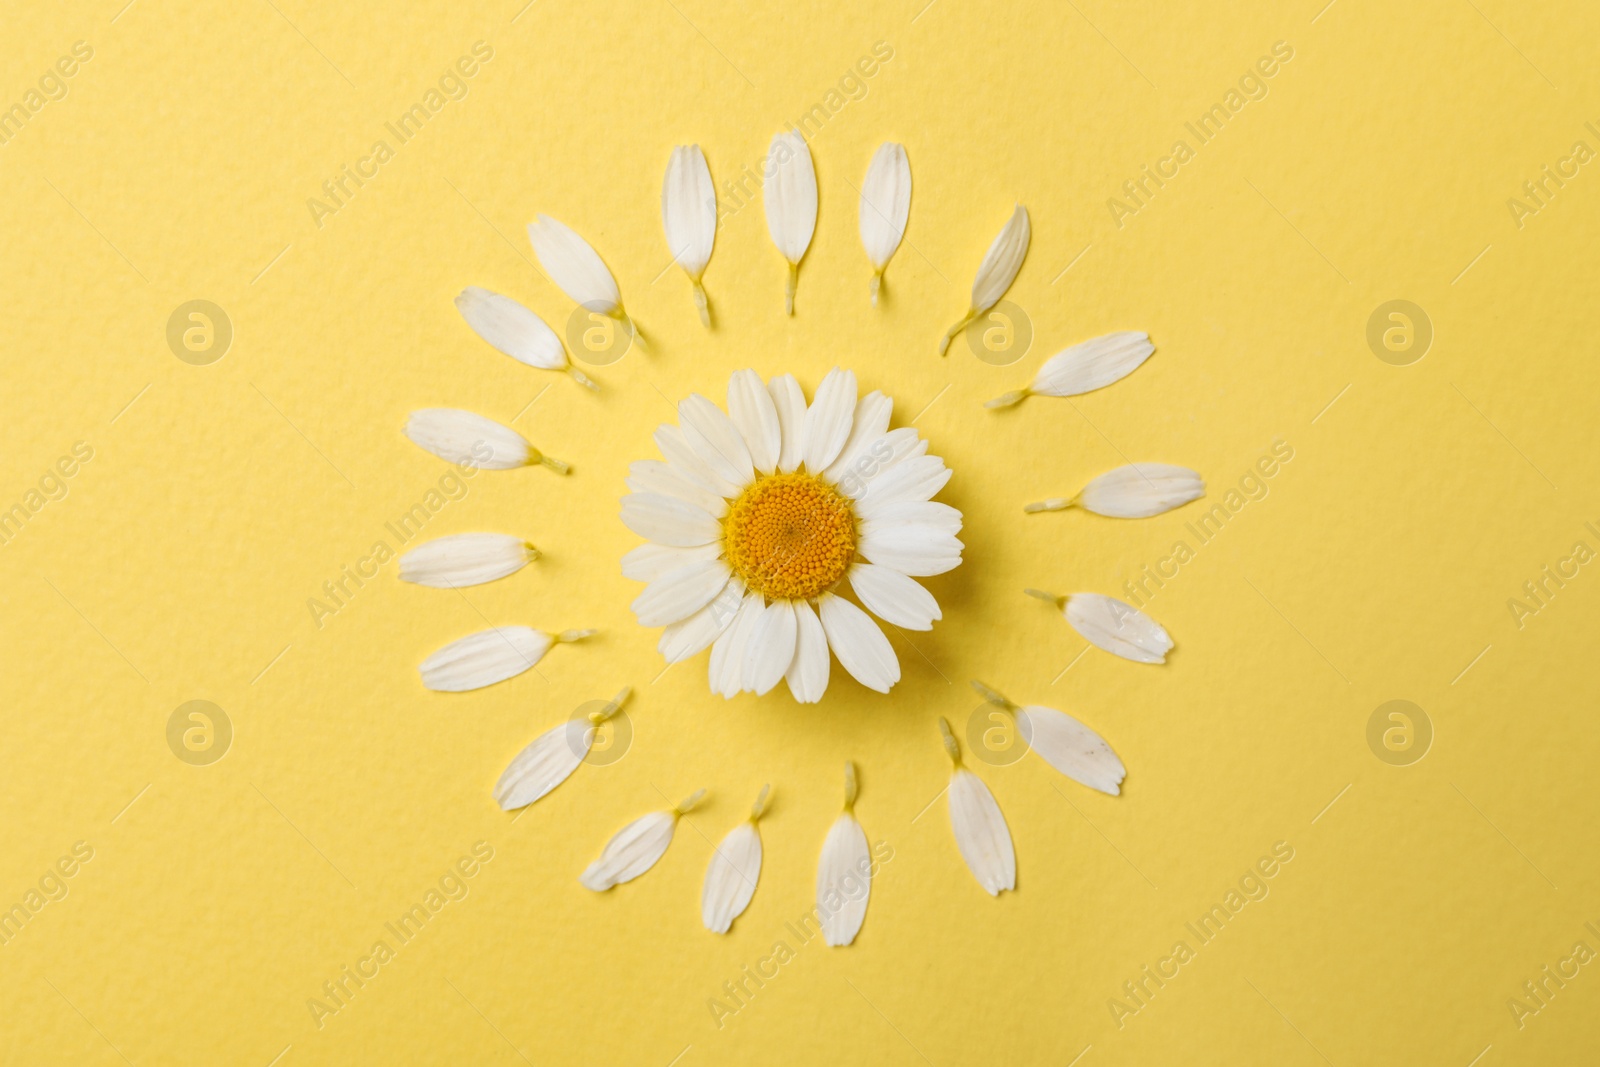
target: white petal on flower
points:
(790, 194)
(1071, 748)
(915, 479)
(920, 551)
(1002, 261)
(573, 265)
(885, 204)
(858, 643)
(879, 456)
(634, 850)
(465, 559)
(696, 633)
(731, 877)
(656, 476)
(1092, 365)
(790, 403)
(668, 520)
(468, 439)
(1140, 490)
(981, 833)
(485, 658)
(829, 418)
(675, 450)
(867, 427)
(715, 440)
(931, 513)
(893, 597)
(770, 650)
(751, 409)
(689, 209)
(679, 594)
(807, 675)
(1118, 628)
(650, 561)
(511, 328)
(544, 764)
(726, 669)
(844, 880)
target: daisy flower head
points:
(757, 518)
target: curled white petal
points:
(1093, 364)
(512, 328)
(731, 877)
(485, 658)
(859, 644)
(468, 439)
(844, 880)
(634, 850)
(466, 559)
(1118, 628)
(1071, 748)
(574, 265)
(689, 209)
(1140, 490)
(544, 764)
(981, 833)
(885, 206)
(1002, 262)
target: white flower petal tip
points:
(885, 206)
(577, 269)
(1063, 742)
(1109, 624)
(490, 656)
(470, 440)
(689, 217)
(790, 196)
(551, 758)
(516, 331)
(636, 847)
(980, 830)
(998, 270)
(1140, 490)
(844, 872)
(734, 871)
(466, 559)
(1085, 367)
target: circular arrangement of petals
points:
(757, 516)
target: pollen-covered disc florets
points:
(790, 536)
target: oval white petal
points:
(885, 203)
(468, 439)
(512, 328)
(484, 658)
(715, 440)
(790, 404)
(696, 633)
(634, 850)
(656, 476)
(1093, 364)
(914, 479)
(751, 409)
(1119, 628)
(930, 513)
(790, 194)
(1002, 261)
(731, 878)
(770, 649)
(679, 594)
(689, 209)
(844, 880)
(668, 520)
(807, 675)
(829, 418)
(573, 265)
(981, 833)
(867, 427)
(859, 644)
(1140, 490)
(544, 764)
(893, 597)
(650, 561)
(675, 450)
(1071, 748)
(878, 457)
(921, 551)
(464, 559)
(726, 669)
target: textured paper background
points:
(219, 498)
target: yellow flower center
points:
(789, 536)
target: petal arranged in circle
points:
(844, 880)
(689, 209)
(668, 520)
(574, 265)
(790, 403)
(651, 561)
(893, 597)
(790, 195)
(731, 878)
(885, 203)
(676, 451)
(981, 833)
(1002, 262)
(859, 644)
(867, 426)
(511, 328)
(770, 649)
(879, 456)
(484, 658)
(1140, 490)
(921, 551)
(913, 479)
(696, 633)
(1071, 748)
(807, 675)
(1118, 628)
(544, 764)
(467, 439)
(656, 476)
(465, 559)
(751, 408)
(1093, 364)
(930, 513)
(634, 850)
(715, 440)
(726, 669)
(828, 419)
(680, 593)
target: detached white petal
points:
(1140, 490)
(858, 643)
(1118, 628)
(885, 205)
(551, 758)
(893, 597)
(998, 270)
(829, 418)
(488, 657)
(635, 848)
(752, 410)
(790, 194)
(807, 675)
(574, 266)
(514, 330)
(1071, 748)
(980, 830)
(734, 870)
(1085, 367)
(466, 559)
(790, 404)
(844, 872)
(470, 440)
(689, 216)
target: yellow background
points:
(220, 898)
